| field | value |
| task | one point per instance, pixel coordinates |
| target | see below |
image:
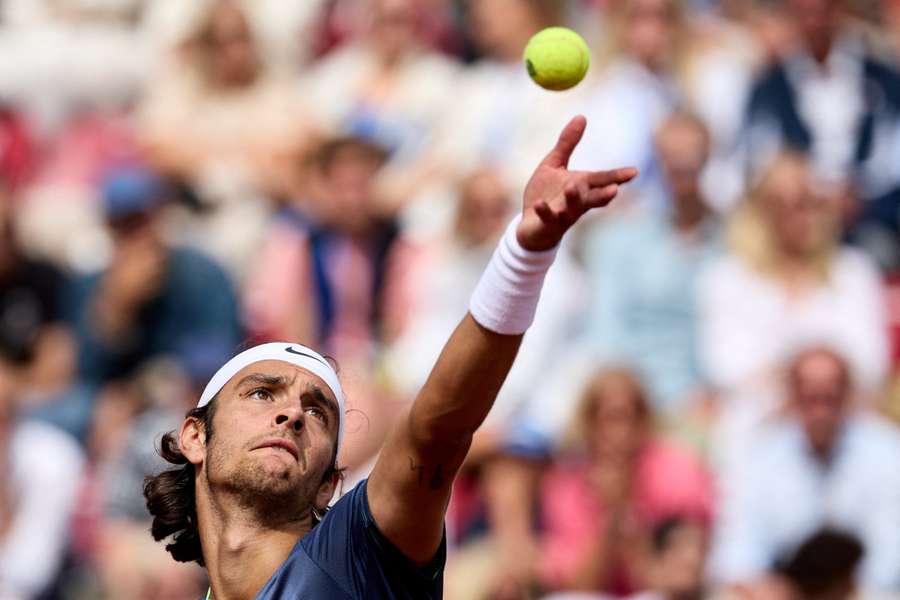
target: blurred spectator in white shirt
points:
(822, 463)
(785, 283)
(643, 267)
(40, 476)
(229, 126)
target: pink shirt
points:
(281, 297)
(668, 481)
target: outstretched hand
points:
(555, 198)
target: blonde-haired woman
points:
(787, 282)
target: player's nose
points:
(290, 417)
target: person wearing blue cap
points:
(255, 461)
(152, 296)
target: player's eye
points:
(261, 394)
(318, 413)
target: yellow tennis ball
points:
(557, 58)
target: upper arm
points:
(409, 490)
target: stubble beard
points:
(274, 496)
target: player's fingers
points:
(598, 197)
(617, 176)
(568, 140)
(576, 200)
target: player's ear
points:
(192, 440)
(326, 490)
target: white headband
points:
(294, 354)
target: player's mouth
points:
(281, 444)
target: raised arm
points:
(409, 488)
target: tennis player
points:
(256, 458)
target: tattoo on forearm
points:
(435, 481)
(418, 468)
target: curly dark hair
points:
(171, 495)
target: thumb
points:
(568, 140)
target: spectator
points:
(31, 293)
(831, 98)
(326, 275)
(198, 119)
(597, 504)
(40, 474)
(785, 283)
(153, 297)
(229, 127)
(600, 500)
(643, 270)
(388, 87)
(34, 337)
(823, 463)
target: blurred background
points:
(705, 406)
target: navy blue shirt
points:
(347, 557)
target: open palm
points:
(555, 198)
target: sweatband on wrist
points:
(295, 354)
(506, 298)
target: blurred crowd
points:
(706, 404)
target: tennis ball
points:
(557, 58)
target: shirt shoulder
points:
(346, 556)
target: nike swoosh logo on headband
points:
(307, 355)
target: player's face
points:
(274, 434)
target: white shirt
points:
(46, 473)
(784, 495)
(749, 325)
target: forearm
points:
(462, 387)
(475, 361)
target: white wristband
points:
(507, 295)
